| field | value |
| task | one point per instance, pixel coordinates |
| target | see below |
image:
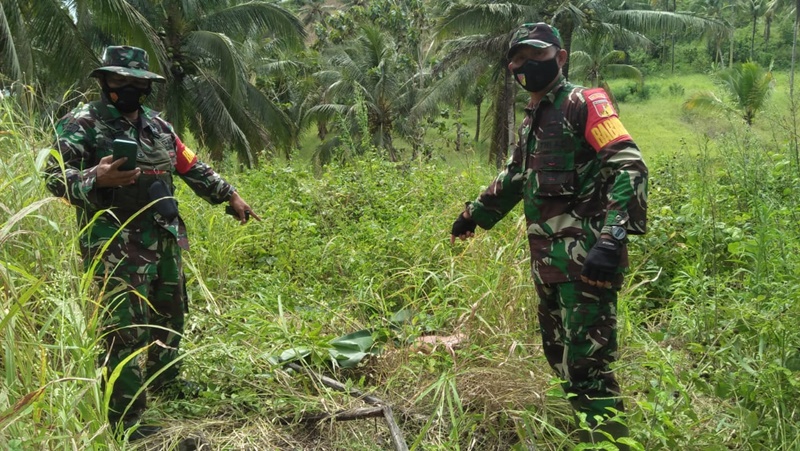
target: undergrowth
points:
(707, 318)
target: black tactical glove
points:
(462, 225)
(232, 211)
(602, 261)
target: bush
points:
(635, 92)
(676, 89)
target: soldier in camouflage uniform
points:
(132, 245)
(583, 184)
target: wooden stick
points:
(369, 399)
(383, 410)
(345, 415)
(394, 431)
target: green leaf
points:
(290, 355)
(793, 363)
(350, 349)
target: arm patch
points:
(603, 126)
(186, 158)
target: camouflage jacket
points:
(84, 136)
(578, 172)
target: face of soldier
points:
(534, 68)
(119, 81)
(125, 93)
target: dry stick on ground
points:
(345, 415)
(394, 431)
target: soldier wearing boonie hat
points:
(128, 61)
(583, 184)
(120, 63)
(130, 223)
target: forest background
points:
(357, 129)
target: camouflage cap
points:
(538, 35)
(126, 60)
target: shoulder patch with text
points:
(603, 126)
(186, 158)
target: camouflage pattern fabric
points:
(144, 259)
(578, 173)
(540, 35)
(128, 61)
(579, 337)
(84, 136)
(142, 274)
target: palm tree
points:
(209, 91)
(715, 10)
(286, 78)
(470, 82)
(42, 46)
(597, 61)
(794, 46)
(194, 43)
(367, 67)
(747, 87)
(755, 9)
(489, 25)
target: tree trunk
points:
(672, 70)
(753, 37)
(478, 119)
(566, 39)
(794, 48)
(503, 116)
(791, 85)
(767, 27)
(459, 126)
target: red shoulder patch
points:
(603, 126)
(186, 158)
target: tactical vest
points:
(155, 162)
(555, 157)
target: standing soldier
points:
(130, 225)
(583, 184)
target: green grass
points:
(709, 358)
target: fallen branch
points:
(394, 431)
(383, 410)
(333, 383)
(342, 415)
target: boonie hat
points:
(128, 61)
(538, 35)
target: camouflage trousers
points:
(579, 336)
(141, 277)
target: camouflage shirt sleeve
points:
(200, 177)
(621, 162)
(74, 141)
(502, 195)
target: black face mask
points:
(127, 99)
(534, 76)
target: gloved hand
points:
(602, 262)
(463, 227)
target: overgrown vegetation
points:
(710, 357)
(356, 246)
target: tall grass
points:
(709, 345)
(51, 393)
